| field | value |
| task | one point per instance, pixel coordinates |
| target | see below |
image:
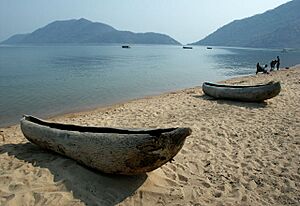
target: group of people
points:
(274, 63)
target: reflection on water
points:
(54, 79)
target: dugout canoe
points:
(248, 93)
(109, 150)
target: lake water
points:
(50, 80)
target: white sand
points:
(238, 154)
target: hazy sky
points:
(185, 20)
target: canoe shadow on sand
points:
(90, 186)
(250, 105)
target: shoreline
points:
(99, 107)
(102, 107)
(96, 107)
(149, 97)
(239, 153)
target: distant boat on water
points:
(187, 47)
(125, 46)
(208, 47)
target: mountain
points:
(277, 28)
(85, 31)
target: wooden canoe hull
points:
(110, 150)
(256, 93)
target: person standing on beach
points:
(277, 63)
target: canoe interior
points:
(238, 86)
(69, 127)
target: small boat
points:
(208, 47)
(255, 93)
(125, 46)
(109, 150)
(187, 47)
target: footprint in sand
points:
(183, 178)
(218, 194)
(14, 187)
(205, 184)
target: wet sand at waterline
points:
(238, 154)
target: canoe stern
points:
(159, 151)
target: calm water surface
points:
(49, 80)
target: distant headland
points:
(83, 31)
(276, 28)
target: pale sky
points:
(186, 21)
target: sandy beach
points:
(238, 154)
